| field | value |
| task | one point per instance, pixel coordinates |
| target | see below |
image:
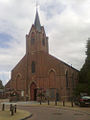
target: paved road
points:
(46, 113)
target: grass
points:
(5, 115)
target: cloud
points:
(67, 24)
(4, 1)
(5, 76)
(51, 9)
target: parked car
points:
(83, 101)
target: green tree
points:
(84, 74)
(1, 85)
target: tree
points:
(1, 85)
(84, 74)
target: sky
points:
(66, 22)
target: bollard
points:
(48, 102)
(12, 112)
(56, 102)
(3, 107)
(10, 107)
(40, 102)
(72, 103)
(15, 108)
(63, 103)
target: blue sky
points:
(67, 24)
(4, 40)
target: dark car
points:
(83, 101)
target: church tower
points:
(36, 40)
(36, 45)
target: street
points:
(52, 113)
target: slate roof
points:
(37, 22)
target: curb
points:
(27, 117)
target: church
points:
(38, 71)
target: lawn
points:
(5, 115)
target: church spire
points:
(37, 22)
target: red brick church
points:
(38, 70)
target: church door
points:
(33, 92)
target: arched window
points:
(43, 41)
(52, 79)
(33, 67)
(32, 38)
(66, 73)
(18, 81)
(32, 41)
(73, 80)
